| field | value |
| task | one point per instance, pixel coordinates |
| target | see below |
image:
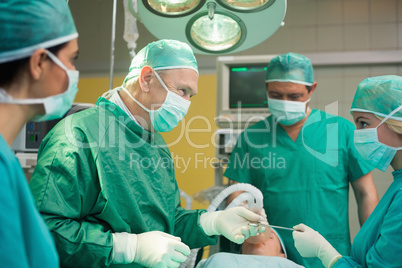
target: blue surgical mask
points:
(378, 155)
(55, 106)
(172, 111)
(287, 112)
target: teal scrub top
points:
(98, 173)
(25, 240)
(378, 243)
(303, 181)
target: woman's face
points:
(54, 79)
(58, 80)
(385, 134)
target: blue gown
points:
(25, 240)
(379, 241)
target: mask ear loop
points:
(390, 115)
(56, 60)
(385, 119)
(161, 81)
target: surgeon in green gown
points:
(377, 112)
(303, 160)
(105, 182)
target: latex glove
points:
(261, 212)
(232, 223)
(264, 221)
(310, 243)
(150, 249)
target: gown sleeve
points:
(65, 189)
(189, 229)
(386, 252)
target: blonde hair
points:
(394, 125)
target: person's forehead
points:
(71, 47)
(363, 115)
(181, 72)
(286, 87)
(276, 237)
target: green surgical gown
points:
(98, 173)
(25, 241)
(303, 181)
(379, 241)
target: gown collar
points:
(299, 138)
(397, 174)
(125, 119)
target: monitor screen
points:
(247, 86)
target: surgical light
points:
(212, 26)
(172, 7)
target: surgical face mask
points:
(379, 155)
(55, 106)
(287, 112)
(172, 111)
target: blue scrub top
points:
(25, 240)
(378, 243)
(303, 181)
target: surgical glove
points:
(232, 223)
(150, 249)
(260, 212)
(262, 229)
(310, 243)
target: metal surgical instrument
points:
(272, 226)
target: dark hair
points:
(9, 71)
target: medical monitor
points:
(241, 90)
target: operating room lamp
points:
(212, 26)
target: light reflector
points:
(221, 33)
(173, 7)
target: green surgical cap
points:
(163, 54)
(27, 25)
(290, 67)
(379, 95)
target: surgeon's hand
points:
(150, 249)
(263, 229)
(261, 212)
(310, 243)
(232, 223)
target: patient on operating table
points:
(265, 250)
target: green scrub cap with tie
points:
(290, 67)
(27, 25)
(379, 95)
(163, 54)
